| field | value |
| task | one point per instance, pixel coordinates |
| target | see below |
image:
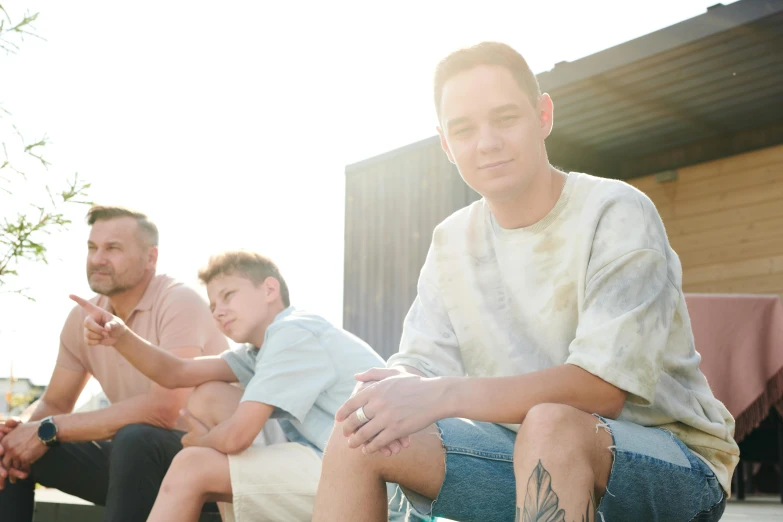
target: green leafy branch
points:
(10, 30)
(25, 227)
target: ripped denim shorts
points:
(654, 477)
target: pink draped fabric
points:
(740, 339)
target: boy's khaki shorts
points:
(273, 483)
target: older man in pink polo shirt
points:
(117, 456)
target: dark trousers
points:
(123, 474)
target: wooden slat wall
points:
(724, 219)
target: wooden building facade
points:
(724, 218)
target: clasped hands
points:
(19, 443)
(19, 448)
(397, 404)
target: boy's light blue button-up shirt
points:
(305, 369)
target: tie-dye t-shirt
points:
(595, 284)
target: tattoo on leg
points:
(542, 503)
(589, 511)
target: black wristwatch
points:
(47, 432)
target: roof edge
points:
(359, 165)
(717, 19)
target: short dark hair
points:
(147, 229)
(251, 265)
(486, 53)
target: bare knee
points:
(549, 417)
(187, 473)
(203, 399)
(560, 434)
(337, 449)
(338, 455)
(557, 432)
(205, 394)
(550, 427)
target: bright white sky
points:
(230, 123)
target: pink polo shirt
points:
(169, 315)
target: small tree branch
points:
(23, 234)
(21, 29)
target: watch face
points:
(47, 431)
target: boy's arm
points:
(167, 369)
(158, 407)
(236, 433)
(293, 372)
(164, 368)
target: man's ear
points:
(546, 114)
(444, 145)
(152, 257)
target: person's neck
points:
(123, 303)
(259, 334)
(532, 204)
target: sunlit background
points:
(230, 123)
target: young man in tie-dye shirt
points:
(547, 369)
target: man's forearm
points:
(159, 365)
(43, 410)
(104, 423)
(508, 399)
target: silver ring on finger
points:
(362, 416)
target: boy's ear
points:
(272, 286)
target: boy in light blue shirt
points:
(294, 367)
(304, 368)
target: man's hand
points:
(399, 405)
(396, 445)
(20, 448)
(196, 430)
(7, 426)
(100, 327)
(11, 474)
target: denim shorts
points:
(654, 477)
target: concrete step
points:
(54, 512)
